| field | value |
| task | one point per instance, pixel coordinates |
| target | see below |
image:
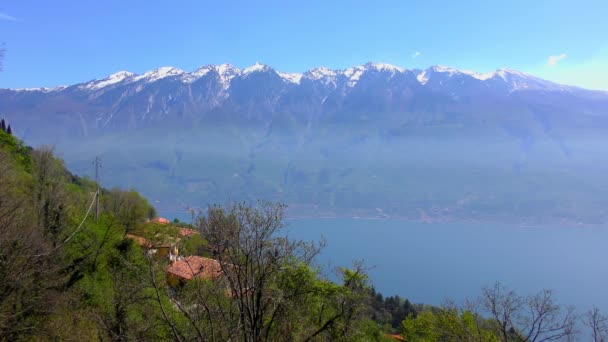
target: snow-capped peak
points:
(452, 71)
(257, 67)
(513, 79)
(120, 75)
(42, 89)
(355, 73)
(227, 70)
(320, 72)
(502, 73)
(383, 67)
(226, 73)
(159, 73)
(202, 71)
(196, 74)
(112, 79)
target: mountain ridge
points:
(353, 73)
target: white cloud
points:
(591, 73)
(552, 60)
(416, 54)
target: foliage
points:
(194, 244)
(129, 207)
(66, 276)
(268, 289)
(18, 151)
(447, 325)
(27, 278)
(390, 311)
(510, 317)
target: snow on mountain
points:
(383, 67)
(112, 79)
(354, 74)
(257, 67)
(451, 72)
(196, 74)
(514, 80)
(292, 78)
(319, 73)
(227, 72)
(422, 77)
(504, 73)
(41, 89)
(159, 73)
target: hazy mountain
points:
(374, 140)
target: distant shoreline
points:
(524, 224)
(530, 223)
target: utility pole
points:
(97, 167)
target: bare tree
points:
(598, 324)
(267, 288)
(503, 305)
(534, 318)
(249, 246)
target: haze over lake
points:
(431, 262)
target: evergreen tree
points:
(2, 125)
(9, 130)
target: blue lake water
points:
(429, 263)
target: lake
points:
(431, 262)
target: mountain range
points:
(374, 140)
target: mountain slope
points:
(375, 140)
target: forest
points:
(79, 262)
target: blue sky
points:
(65, 42)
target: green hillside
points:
(67, 276)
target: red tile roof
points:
(160, 220)
(187, 231)
(195, 266)
(395, 337)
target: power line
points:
(94, 201)
(95, 196)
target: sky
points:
(50, 43)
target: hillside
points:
(66, 275)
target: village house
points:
(187, 268)
(159, 220)
(158, 249)
(187, 232)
